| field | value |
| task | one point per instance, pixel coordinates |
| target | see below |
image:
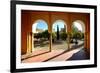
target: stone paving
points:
(43, 55)
(50, 56)
(65, 55)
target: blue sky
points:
(60, 24)
(43, 25)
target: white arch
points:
(59, 21)
(34, 26)
(80, 23)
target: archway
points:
(77, 34)
(40, 35)
(59, 35)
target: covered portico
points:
(28, 19)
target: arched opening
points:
(59, 35)
(40, 36)
(77, 34)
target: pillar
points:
(50, 31)
(87, 38)
(69, 31)
(33, 42)
(29, 43)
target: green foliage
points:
(63, 35)
(57, 32)
(39, 35)
(76, 33)
(82, 34)
(45, 34)
(70, 34)
(74, 29)
(53, 35)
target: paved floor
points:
(35, 53)
(59, 45)
(80, 55)
(42, 57)
(64, 56)
(58, 55)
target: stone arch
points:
(82, 25)
(35, 24)
(85, 23)
(34, 27)
(62, 21)
(62, 31)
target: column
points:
(33, 42)
(50, 31)
(29, 43)
(87, 44)
(69, 35)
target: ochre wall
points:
(28, 18)
(25, 28)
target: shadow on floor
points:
(81, 55)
